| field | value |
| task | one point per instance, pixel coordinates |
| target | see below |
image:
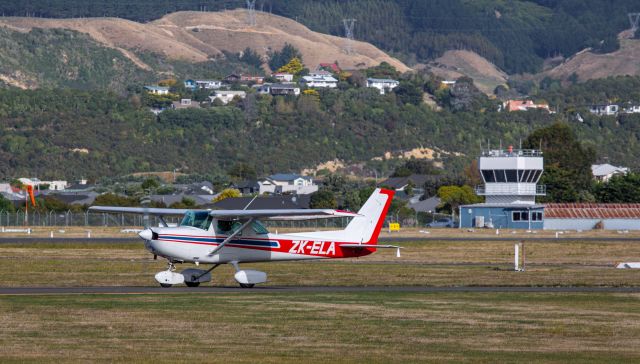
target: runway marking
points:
(115, 290)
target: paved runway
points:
(305, 289)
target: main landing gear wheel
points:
(247, 285)
(192, 284)
(165, 285)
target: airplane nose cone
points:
(146, 234)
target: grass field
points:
(362, 327)
(268, 326)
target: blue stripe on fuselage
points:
(261, 243)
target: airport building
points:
(510, 189)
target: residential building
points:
(288, 183)
(606, 110)
(319, 80)
(185, 104)
(38, 184)
(604, 172)
(247, 187)
(631, 109)
(264, 202)
(190, 85)
(447, 83)
(208, 84)
(284, 89)
(427, 205)
(524, 105)
(331, 67)
(382, 84)
(227, 96)
(157, 90)
(283, 77)
(416, 181)
(233, 78)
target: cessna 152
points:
(237, 236)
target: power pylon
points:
(251, 15)
(348, 33)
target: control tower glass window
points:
(512, 175)
(500, 176)
(488, 176)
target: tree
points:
(278, 59)
(408, 93)
(415, 166)
(619, 189)
(567, 163)
(227, 193)
(323, 199)
(453, 196)
(6, 205)
(150, 184)
(294, 67)
(243, 171)
(249, 56)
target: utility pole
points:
(251, 16)
(348, 33)
(634, 19)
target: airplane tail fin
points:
(366, 228)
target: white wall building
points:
(320, 79)
(208, 84)
(157, 90)
(604, 172)
(53, 185)
(282, 183)
(283, 77)
(227, 96)
(382, 84)
(604, 109)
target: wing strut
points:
(230, 237)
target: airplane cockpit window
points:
(197, 219)
(258, 228)
(228, 226)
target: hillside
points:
(200, 36)
(588, 65)
(454, 64)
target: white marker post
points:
(517, 258)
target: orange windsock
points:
(30, 191)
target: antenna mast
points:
(251, 15)
(348, 33)
(634, 20)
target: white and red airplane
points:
(237, 236)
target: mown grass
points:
(422, 263)
(322, 327)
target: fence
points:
(70, 218)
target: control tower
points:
(510, 188)
(511, 176)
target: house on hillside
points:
(38, 184)
(264, 202)
(157, 90)
(524, 105)
(382, 84)
(331, 67)
(320, 79)
(234, 78)
(604, 110)
(203, 84)
(417, 181)
(185, 104)
(227, 96)
(247, 187)
(604, 172)
(631, 109)
(283, 77)
(288, 182)
(284, 89)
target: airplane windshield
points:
(197, 219)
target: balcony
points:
(511, 189)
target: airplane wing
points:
(140, 210)
(272, 214)
(275, 214)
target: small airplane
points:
(237, 236)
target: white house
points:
(281, 183)
(284, 89)
(320, 79)
(604, 172)
(604, 109)
(283, 77)
(157, 90)
(226, 96)
(382, 84)
(53, 185)
(208, 84)
(632, 109)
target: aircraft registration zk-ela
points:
(237, 236)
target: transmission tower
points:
(251, 15)
(634, 20)
(348, 33)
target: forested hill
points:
(72, 134)
(515, 35)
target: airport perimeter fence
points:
(73, 218)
